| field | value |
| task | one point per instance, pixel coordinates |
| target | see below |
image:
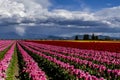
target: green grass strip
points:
(2, 53)
(12, 67)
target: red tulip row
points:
(112, 46)
(70, 68)
(31, 66)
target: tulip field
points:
(59, 60)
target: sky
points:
(40, 18)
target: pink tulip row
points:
(4, 41)
(82, 55)
(70, 68)
(5, 62)
(101, 56)
(5, 45)
(74, 50)
(101, 68)
(31, 66)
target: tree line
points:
(91, 37)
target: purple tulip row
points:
(70, 68)
(5, 62)
(31, 66)
(101, 68)
(101, 56)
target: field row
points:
(32, 61)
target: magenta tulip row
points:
(74, 50)
(101, 56)
(70, 68)
(101, 68)
(31, 66)
(4, 63)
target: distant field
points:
(112, 46)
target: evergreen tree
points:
(86, 37)
(96, 37)
(93, 37)
(76, 37)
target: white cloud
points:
(109, 12)
(20, 30)
(10, 9)
(23, 8)
(35, 12)
(44, 3)
(110, 15)
(73, 15)
(30, 10)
